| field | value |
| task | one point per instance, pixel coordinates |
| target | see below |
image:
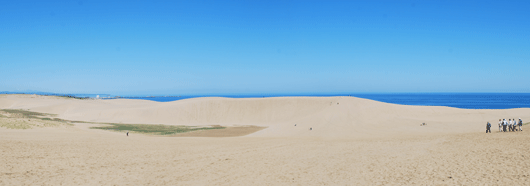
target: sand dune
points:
(354, 142)
(329, 117)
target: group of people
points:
(511, 124)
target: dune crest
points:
(327, 117)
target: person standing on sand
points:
(127, 133)
(500, 125)
(520, 124)
(488, 127)
(504, 123)
(510, 125)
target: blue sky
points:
(254, 47)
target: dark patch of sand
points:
(225, 132)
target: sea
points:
(457, 100)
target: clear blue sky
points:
(247, 47)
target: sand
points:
(354, 142)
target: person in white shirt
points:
(514, 125)
(504, 123)
(520, 124)
(510, 124)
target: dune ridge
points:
(353, 142)
(329, 117)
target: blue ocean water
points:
(457, 100)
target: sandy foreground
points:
(353, 141)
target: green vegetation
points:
(28, 114)
(154, 129)
(24, 113)
(24, 119)
(16, 125)
(71, 97)
(22, 124)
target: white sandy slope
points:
(357, 142)
(329, 117)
